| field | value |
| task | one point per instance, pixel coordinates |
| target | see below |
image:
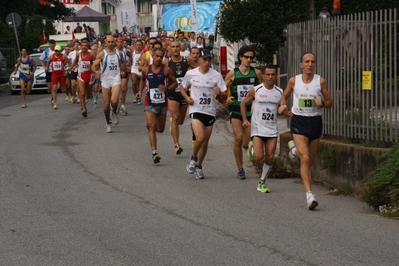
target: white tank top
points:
(110, 68)
(264, 111)
(303, 100)
(135, 60)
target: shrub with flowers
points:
(390, 210)
(381, 186)
(279, 170)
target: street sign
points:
(13, 19)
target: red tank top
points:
(57, 64)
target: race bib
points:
(24, 69)
(179, 81)
(306, 103)
(267, 116)
(204, 100)
(57, 66)
(242, 91)
(84, 64)
(157, 96)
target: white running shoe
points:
(108, 128)
(191, 165)
(291, 147)
(199, 174)
(311, 201)
(115, 119)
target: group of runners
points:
(175, 82)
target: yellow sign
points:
(367, 80)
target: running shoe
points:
(241, 174)
(138, 102)
(134, 100)
(78, 100)
(199, 174)
(312, 203)
(108, 128)
(178, 149)
(84, 113)
(94, 104)
(291, 146)
(72, 99)
(52, 102)
(123, 110)
(156, 158)
(262, 187)
(251, 151)
(115, 119)
(191, 165)
(55, 107)
(67, 98)
(75, 100)
(24, 106)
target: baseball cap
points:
(57, 48)
(206, 53)
(51, 41)
(119, 39)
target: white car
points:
(39, 81)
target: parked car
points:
(39, 81)
(3, 70)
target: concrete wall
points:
(353, 162)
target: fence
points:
(10, 55)
(346, 46)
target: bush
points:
(381, 186)
(279, 170)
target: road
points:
(71, 194)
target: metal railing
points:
(9, 55)
(345, 46)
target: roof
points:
(87, 14)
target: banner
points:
(126, 15)
(194, 16)
(179, 16)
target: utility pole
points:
(312, 10)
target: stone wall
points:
(353, 162)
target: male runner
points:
(111, 72)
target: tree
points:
(259, 22)
(262, 23)
(32, 13)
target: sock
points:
(106, 113)
(265, 171)
(114, 107)
(293, 151)
(308, 194)
(154, 152)
(177, 144)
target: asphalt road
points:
(71, 194)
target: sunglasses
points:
(248, 57)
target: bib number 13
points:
(307, 103)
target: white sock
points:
(265, 171)
(309, 194)
(293, 151)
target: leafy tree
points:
(259, 22)
(32, 13)
(262, 23)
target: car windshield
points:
(36, 59)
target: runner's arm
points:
(243, 107)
